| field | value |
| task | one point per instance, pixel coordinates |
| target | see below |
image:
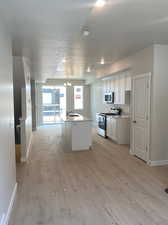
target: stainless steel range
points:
(102, 121)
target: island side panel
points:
(67, 137)
(81, 135)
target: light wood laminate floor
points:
(104, 186)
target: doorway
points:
(141, 116)
(53, 104)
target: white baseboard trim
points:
(29, 146)
(24, 159)
(158, 163)
(5, 219)
(131, 152)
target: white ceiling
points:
(48, 31)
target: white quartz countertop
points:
(79, 118)
(120, 117)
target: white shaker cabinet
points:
(118, 129)
(120, 85)
(116, 91)
(128, 82)
(120, 88)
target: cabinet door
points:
(109, 127)
(81, 136)
(128, 82)
(116, 96)
(119, 90)
(105, 86)
(122, 90)
(114, 128)
(113, 84)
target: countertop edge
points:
(76, 119)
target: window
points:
(47, 98)
(78, 97)
(53, 104)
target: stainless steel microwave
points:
(109, 98)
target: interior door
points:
(140, 116)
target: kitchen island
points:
(76, 133)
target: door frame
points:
(39, 101)
(132, 151)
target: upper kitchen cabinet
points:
(128, 82)
(121, 90)
(116, 91)
(121, 86)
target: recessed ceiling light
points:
(102, 61)
(64, 60)
(100, 3)
(88, 70)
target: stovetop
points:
(108, 114)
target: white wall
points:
(139, 63)
(159, 111)
(97, 104)
(7, 143)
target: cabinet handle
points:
(134, 121)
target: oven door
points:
(102, 125)
(102, 122)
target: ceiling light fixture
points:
(67, 84)
(102, 61)
(100, 3)
(86, 32)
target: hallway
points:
(102, 187)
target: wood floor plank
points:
(103, 186)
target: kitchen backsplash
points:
(125, 108)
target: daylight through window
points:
(78, 97)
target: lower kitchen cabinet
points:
(118, 129)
